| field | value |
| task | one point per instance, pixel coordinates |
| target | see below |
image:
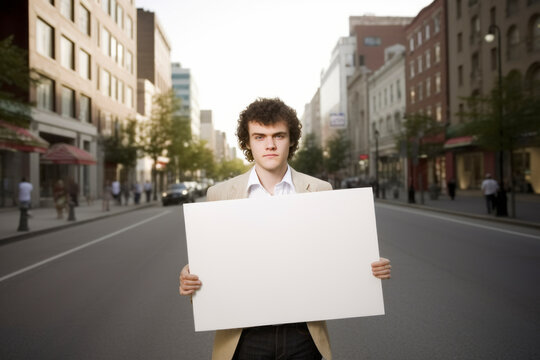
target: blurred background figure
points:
(25, 194)
(107, 193)
(148, 190)
(115, 186)
(451, 188)
(59, 195)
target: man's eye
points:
(281, 136)
(258, 137)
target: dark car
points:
(176, 194)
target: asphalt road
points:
(461, 289)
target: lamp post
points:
(376, 163)
(493, 31)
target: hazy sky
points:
(239, 50)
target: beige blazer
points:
(225, 341)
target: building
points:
(186, 89)
(473, 70)
(153, 74)
(333, 89)
(84, 56)
(208, 133)
(426, 88)
(386, 116)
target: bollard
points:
(71, 216)
(23, 219)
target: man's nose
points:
(270, 143)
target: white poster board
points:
(284, 259)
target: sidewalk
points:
(472, 203)
(44, 219)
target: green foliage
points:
(309, 158)
(122, 148)
(421, 134)
(230, 168)
(15, 79)
(338, 150)
(505, 119)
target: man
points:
(25, 192)
(268, 133)
(490, 187)
(148, 190)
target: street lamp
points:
(490, 37)
(377, 163)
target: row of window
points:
(45, 99)
(418, 66)
(386, 96)
(111, 86)
(116, 12)
(425, 33)
(417, 92)
(512, 6)
(111, 47)
(387, 127)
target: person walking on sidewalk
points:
(137, 191)
(115, 189)
(59, 196)
(490, 188)
(148, 190)
(268, 133)
(451, 188)
(107, 193)
(25, 194)
(126, 192)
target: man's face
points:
(269, 144)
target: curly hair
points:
(268, 112)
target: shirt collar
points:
(254, 179)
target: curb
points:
(32, 233)
(464, 214)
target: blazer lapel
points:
(301, 183)
(238, 188)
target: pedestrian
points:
(490, 188)
(60, 198)
(116, 192)
(126, 192)
(137, 191)
(268, 133)
(148, 190)
(107, 193)
(73, 191)
(451, 188)
(25, 195)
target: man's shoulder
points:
(315, 183)
(221, 189)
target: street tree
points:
(309, 158)
(337, 149)
(156, 133)
(229, 168)
(15, 80)
(179, 151)
(122, 147)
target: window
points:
(411, 44)
(475, 29)
(420, 92)
(385, 97)
(458, 9)
(112, 9)
(68, 102)
(120, 54)
(67, 49)
(428, 59)
(460, 75)
(459, 42)
(84, 64)
(120, 16)
(475, 65)
(436, 24)
(438, 112)
(419, 38)
(84, 20)
(129, 61)
(412, 69)
(398, 90)
(114, 86)
(437, 53)
(120, 91)
(84, 109)
(428, 87)
(512, 7)
(419, 62)
(105, 83)
(512, 43)
(428, 111)
(66, 8)
(438, 83)
(412, 94)
(105, 41)
(391, 93)
(129, 97)
(372, 41)
(534, 34)
(427, 32)
(114, 48)
(45, 93)
(129, 27)
(44, 38)
(105, 5)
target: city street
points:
(461, 289)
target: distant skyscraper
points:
(186, 89)
(208, 133)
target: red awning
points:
(19, 139)
(61, 153)
(459, 142)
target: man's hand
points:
(381, 269)
(189, 283)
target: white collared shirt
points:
(256, 190)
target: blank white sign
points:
(284, 259)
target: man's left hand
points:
(381, 269)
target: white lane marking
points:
(93, 242)
(420, 212)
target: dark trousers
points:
(491, 202)
(281, 342)
(148, 193)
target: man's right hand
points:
(189, 283)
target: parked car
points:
(177, 194)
